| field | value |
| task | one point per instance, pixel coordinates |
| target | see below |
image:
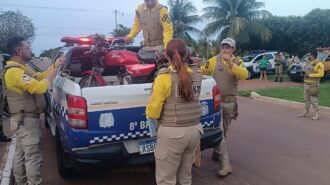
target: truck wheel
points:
(62, 160)
(249, 75)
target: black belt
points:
(28, 114)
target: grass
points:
(245, 93)
(296, 93)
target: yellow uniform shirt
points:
(16, 80)
(238, 70)
(167, 25)
(160, 91)
(319, 71)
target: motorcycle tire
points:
(88, 81)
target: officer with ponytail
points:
(174, 103)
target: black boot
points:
(4, 138)
(281, 80)
(275, 79)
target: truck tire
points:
(250, 74)
(62, 160)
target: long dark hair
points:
(176, 50)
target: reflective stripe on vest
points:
(226, 81)
(152, 27)
(18, 102)
(176, 111)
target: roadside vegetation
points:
(295, 93)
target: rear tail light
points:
(216, 99)
(77, 112)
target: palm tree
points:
(184, 17)
(238, 19)
(120, 31)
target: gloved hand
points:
(127, 40)
(153, 126)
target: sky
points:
(57, 18)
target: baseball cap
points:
(231, 42)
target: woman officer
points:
(174, 102)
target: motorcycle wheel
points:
(88, 81)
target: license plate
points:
(147, 147)
(293, 72)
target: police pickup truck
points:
(106, 126)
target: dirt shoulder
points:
(255, 84)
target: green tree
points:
(184, 17)
(296, 34)
(50, 53)
(120, 31)
(237, 19)
(13, 24)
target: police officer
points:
(3, 138)
(314, 71)
(279, 67)
(226, 70)
(174, 102)
(23, 90)
(155, 22)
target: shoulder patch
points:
(26, 78)
(166, 18)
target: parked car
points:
(295, 71)
(251, 63)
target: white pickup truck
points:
(106, 126)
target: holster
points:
(314, 89)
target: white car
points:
(251, 63)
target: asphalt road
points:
(268, 145)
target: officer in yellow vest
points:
(155, 22)
(174, 102)
(23, 90)
(279, 67)
(314, 71)
(226, 70)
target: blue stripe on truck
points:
(118, 125)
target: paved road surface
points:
(268, 145)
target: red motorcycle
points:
(112, 56)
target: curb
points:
(7, 172)
(255, 95)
